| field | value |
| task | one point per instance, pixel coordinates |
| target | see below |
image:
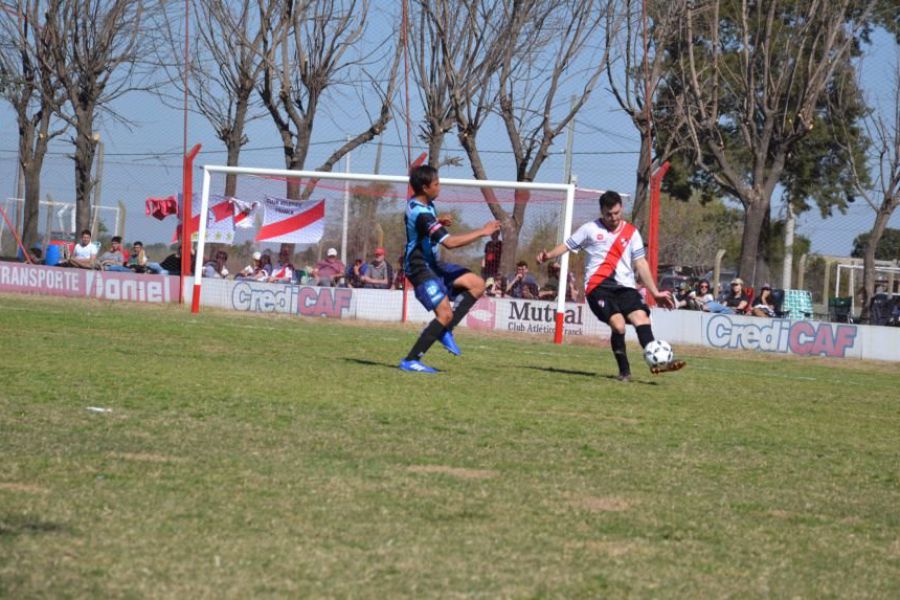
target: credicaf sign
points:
(806, 338)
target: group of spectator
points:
(86, 255)
(522, 284)
(734, 301)
(376, 273)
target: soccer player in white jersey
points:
(615, 252)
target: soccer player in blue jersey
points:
(436, 283)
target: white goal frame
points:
(567, 188)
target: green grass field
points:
(253, 456)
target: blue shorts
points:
(435, 286)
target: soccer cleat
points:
(675, 365)
(416, 366)
(449, 343)
(623, 377)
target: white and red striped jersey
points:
(610, 254)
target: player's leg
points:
(469, 287)
(605, 309)
(640, 318)
(433, 296)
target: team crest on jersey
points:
(600, 237)
(601, 302)
(623, 241)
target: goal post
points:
(559, 197)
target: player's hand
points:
(490, 227)
(665, 299)
(542, 257)
(445, 219)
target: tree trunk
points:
(85, 147)
(233, 148)
(761, 270)
(881, 220)
(32, 206)
(640, 212)
(754, 216)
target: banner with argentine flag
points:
(292, 221)
(220, 219)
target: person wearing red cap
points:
(377, 273)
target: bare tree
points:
(883, 193)
(636, 65)
(225, 67)
(310, 47)
(752, 77)
(30, 87)
(511, 59)
(95, 48)
(431, 84)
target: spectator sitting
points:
(216, 268)
(139, 263)
(330, 271)
(493, 250)
(704, 299)
(354, 274)
(254, 270)
(737, 300)
(522, 284)
(114, 258)
(685, 297)
(283, 271)
(84, 254)
(551, 287)
(378, 273)
(172, 263)
(764, 306)
(491, 289)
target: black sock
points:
(428, 337)
(466, 302)
(645, 334)
(617, 341)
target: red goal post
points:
(565, 191)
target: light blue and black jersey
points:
(424, 234)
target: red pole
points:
(655, 187)
(187, 192)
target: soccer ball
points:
(658, 353)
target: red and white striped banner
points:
(292, 221)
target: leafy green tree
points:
(888, 247)
(753, 82)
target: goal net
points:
(320, 233)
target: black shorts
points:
(606, 302)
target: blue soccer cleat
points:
(416, 366)
(449, 343)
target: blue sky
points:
(144, 160)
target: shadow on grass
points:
(562, 371)
(16, 525)
(558, 371)
(372, 363)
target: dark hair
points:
(117, 239)
(138, 243)
(522, 263)
(610, 199)
(420, 177)
(701, 282)
(85, 231)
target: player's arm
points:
(463, 239)
(544, 256)
(643, 271)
